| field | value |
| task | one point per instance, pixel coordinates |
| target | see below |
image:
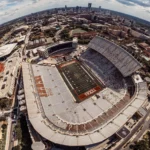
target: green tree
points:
(4, 126)
(141, 145)
(3, 103)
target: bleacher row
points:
(125, 63)
(57, 122)
(104, 70)
(62, 118)
(58, 119)
(116, 101)
(97, 123)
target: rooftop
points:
(23, 27)
(7, 49)
(143, 45)
(7, 83)
(55, 115)
(123, 61)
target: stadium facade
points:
(85, 101)
(64, 46)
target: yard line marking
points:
(67, 80)
(87, 73)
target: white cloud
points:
(11, 9)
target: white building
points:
(7, 50)
(75, 42)
(43, 52)
(8, 81)
(21, 28)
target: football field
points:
(81, 83)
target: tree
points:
(4, 126)
(141, 145)
(3, 103)
(18, 131)
(16, 148)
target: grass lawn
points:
(78, 30)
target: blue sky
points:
(11, 9)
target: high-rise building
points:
(65, 7)
(100, 8)
(89, 6)
(77, 9)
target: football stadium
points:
(85, 100)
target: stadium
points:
(85, 100)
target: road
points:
(8, 134)
(11, 125)
(59, 31)
(140, 133)
(26, 42)
(145, 127)
(15, 112)
(27, 36)
(11, 142)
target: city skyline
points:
(11, 9)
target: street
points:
(59, 31)
(145, 127)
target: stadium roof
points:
(123, 61)
(7, 49)
(55, 116)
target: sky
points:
(11, 9)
